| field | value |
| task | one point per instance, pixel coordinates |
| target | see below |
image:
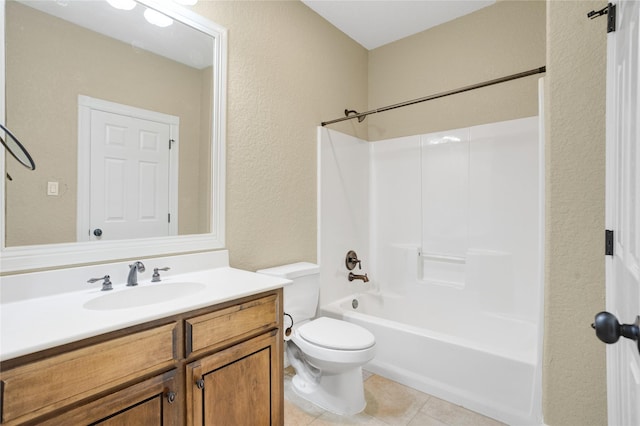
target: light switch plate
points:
(52, 188)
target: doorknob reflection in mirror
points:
(609, 330)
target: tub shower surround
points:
(449, 227)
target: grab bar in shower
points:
(442, 258)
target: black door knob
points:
(97, 232)
(609, 330)
(607, 327)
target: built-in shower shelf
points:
(442, 269)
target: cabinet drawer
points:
(43, 386)
(231, 324)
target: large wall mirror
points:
(121, 104)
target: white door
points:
(623, 211)
(129, 177)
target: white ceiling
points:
(374, 23)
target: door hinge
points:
(171, 141)
(610, 11)
(169, 217)
(611, 18)
(608, 242)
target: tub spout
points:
(353, 276)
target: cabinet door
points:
(152, 402)
(241, 385)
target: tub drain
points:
(354, 303)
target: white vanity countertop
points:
(33, 324)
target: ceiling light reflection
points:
(122, 4)
(156, 18)
(444, 139)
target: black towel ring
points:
(17, 150)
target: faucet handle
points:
(352, 260)
(156, 275)
(106, 285)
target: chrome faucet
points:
(353, 276)
(132, 279)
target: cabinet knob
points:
(200, 383)
(171, 397)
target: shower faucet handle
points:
(352, 260)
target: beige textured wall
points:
(574, 360)
(289, 70)
(50, 62)
(204, 181)
(505, 38)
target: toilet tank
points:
(301, 296)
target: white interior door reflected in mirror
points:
(132, 172)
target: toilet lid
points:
(335, 334)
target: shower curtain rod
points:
(350, 114)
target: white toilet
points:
(327, 354)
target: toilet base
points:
(341, 393)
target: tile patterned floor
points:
(388, 403)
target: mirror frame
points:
(27, 258)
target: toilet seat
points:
(334, 334)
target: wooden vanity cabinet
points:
(217, 365)
(241, 384)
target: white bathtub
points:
(485, 362)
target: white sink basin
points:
(142, 296)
